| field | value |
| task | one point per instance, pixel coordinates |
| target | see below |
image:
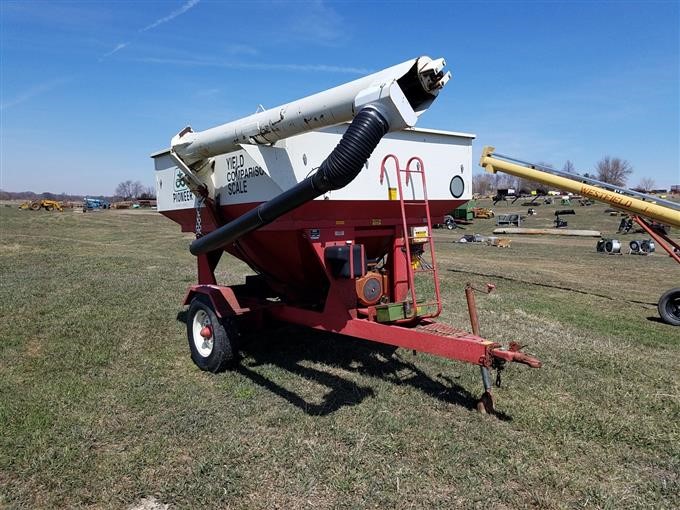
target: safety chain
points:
(199, 204)
(499, 365)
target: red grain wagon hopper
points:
(329, 199)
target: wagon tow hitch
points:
(513, 353)
(498, 355)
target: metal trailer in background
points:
(329, 200)
(651, 213)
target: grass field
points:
(101, 406)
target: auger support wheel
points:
(669, 307)
(210, 340)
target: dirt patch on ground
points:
(11, 248)
(149, 503)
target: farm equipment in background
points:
(609, 246)
(95, 203)
(464, 213)
(559, 222)
(502, 195)
(653, 214)
(534, 202)
(448, 222)
(641, 247)
(48, 205)
(509, 220)
(329, 199)
(482, 212)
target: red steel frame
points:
(341, 315)
(339, 311)
(671, 247)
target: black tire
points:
(669, 307)
(215, 357)
(634, 246)
(49, 207)
(35, 206)
(450, 225)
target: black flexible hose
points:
(345, 162)
(340, 168)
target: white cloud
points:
(318, 22)
(206, 92)
(320, 68)
(116, 49)
(36, 90)
(241, 49)
(188, 5)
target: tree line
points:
(609, 169)
(126, 190)
(129, 190)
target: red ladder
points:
(408, 238)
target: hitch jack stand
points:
(485, 403)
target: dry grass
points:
(100, 405)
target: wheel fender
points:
(223, 299)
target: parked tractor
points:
(48, 205)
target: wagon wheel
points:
(210, 340)
(669, 307)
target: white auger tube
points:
(400, 93)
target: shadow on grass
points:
(289, 346)
(654, 318)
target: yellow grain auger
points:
(651, 213)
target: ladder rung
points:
(425, 211)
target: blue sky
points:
(90, 89)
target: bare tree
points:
(526, 186)
(149, 193)
(503, 181)
(137, 189)
(569, 167)
(124, 190)
(129, 189)
(613, 170)
(646, 184)
(482, 183)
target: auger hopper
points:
(329, 200)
